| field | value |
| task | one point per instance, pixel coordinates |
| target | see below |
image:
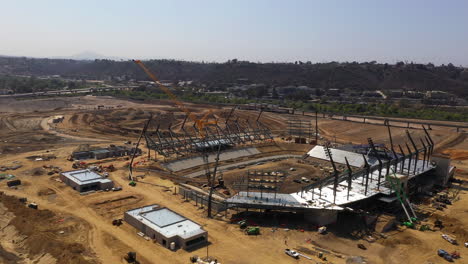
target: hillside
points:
(358, 76)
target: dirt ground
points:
(90, 237)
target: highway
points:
(67, 92)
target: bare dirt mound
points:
(44, 232)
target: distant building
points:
(85, 180)
(6, 91)
(166, 227)
(333, 92)
(243, 81)
(414, 94)
(371, 94)
(438, 95)
(395, 93)
(287, 90)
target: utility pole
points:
(316, 127)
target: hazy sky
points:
(256, 30)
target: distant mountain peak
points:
(88, 55)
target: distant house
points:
(414, 94)
(395, 93)
(333, 92)
(6, 91)
(243, 81)
(371, 94)
(438, 95)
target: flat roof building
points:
(85, 180)
(167, 227)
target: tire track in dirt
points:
(7, 123)
(451, 142)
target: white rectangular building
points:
(167, 227)
(85, 180)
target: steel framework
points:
(407, 161)
(232, 132)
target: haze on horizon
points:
(260, 30)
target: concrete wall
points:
(107, 185)
(442, 169)
(70, 183)
(202, 199)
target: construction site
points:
(226, 184)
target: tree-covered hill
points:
(353, 75)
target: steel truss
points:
(230, 133)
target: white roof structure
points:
(85, 176)
(354, 159)
(166, 222)
(316, 199)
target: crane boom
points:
(166, 90)
(199, 123)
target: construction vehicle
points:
(322, 230)
(361, 246)
(254, 230)
(131, 258)
(242, 224)
(291, 253)
(117, 222)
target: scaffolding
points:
(299, 128)
(259, 182)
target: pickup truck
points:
(291, 253)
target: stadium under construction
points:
(361, 174)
